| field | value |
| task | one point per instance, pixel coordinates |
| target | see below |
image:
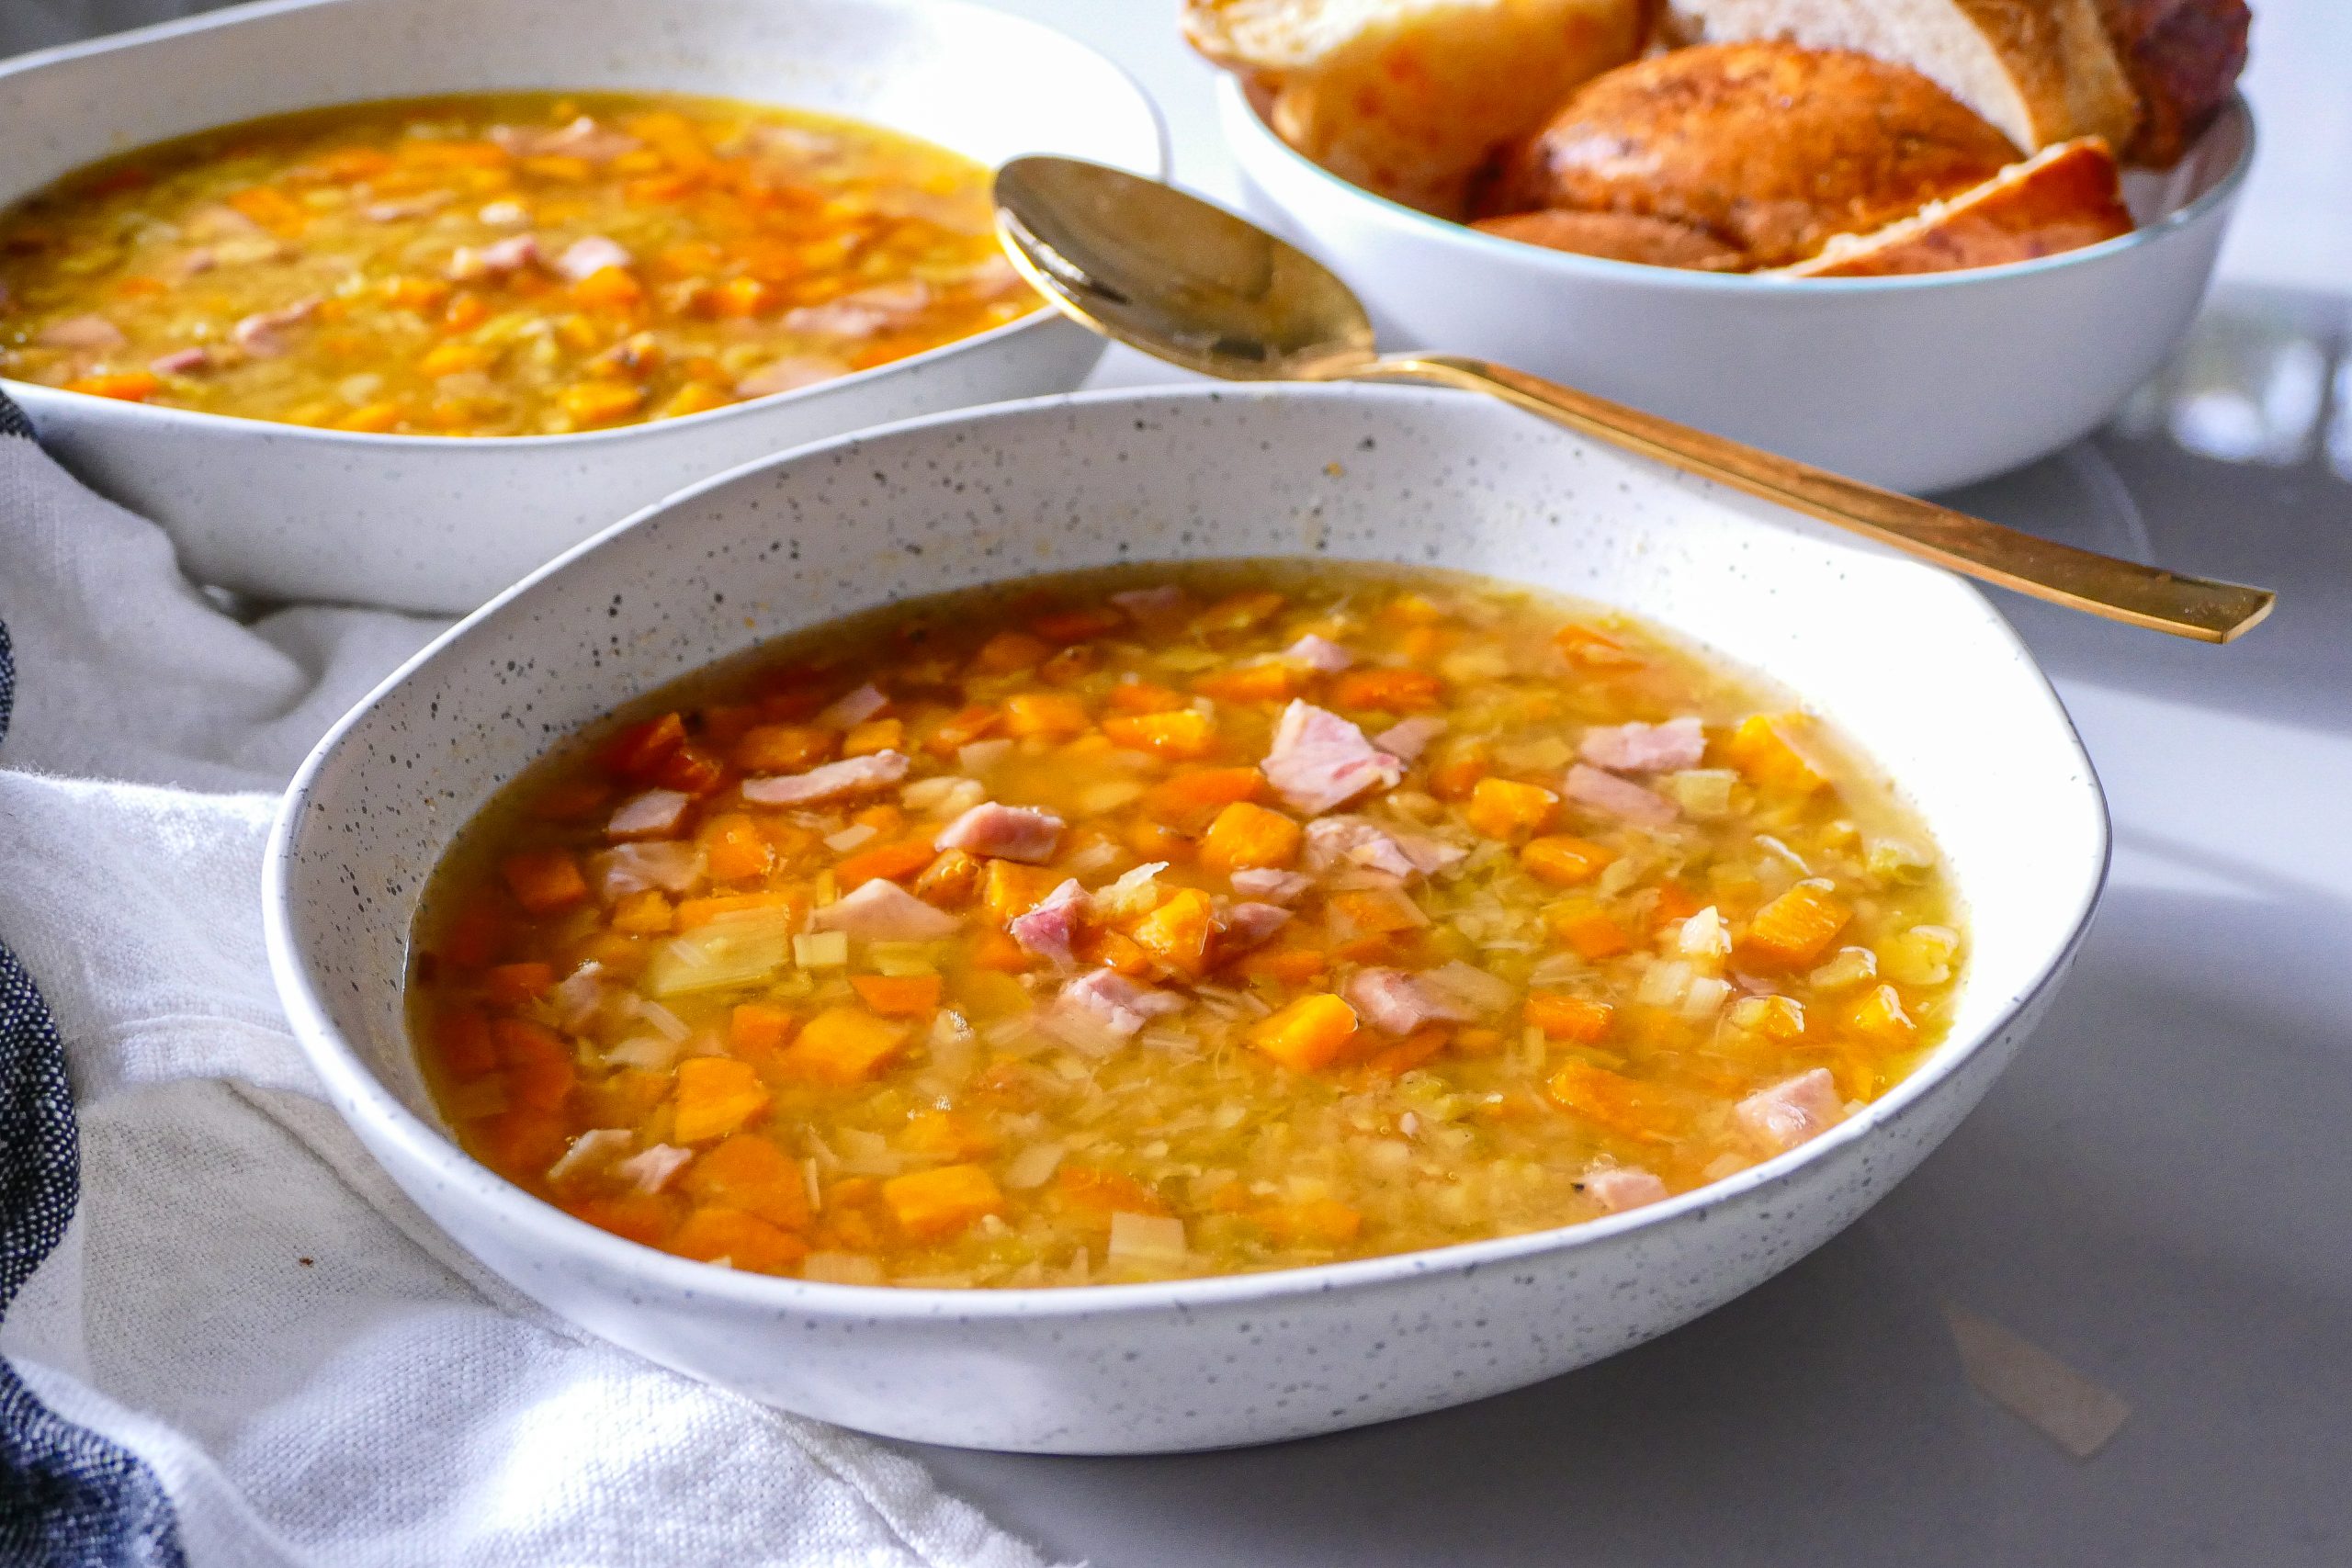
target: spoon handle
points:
(2118, 590)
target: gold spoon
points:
(1174, 277)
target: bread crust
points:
(2061, 199)
(1769, 148)
(1620, 236)
(2183, 57)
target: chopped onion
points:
(850, 837)
(1033, 1166)
(1145, 1241)
(1664, 984)
(1850, 966)
(591, 1151)
(821, 950)
(734, 950)
(841, 1268)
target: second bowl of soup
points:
(1062, 928)
(399, 349)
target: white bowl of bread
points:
(1920, 242)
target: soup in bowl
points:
(1174, 969)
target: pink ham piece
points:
(593, 1150)
(1003, 833)
(652, 1170)
(1398, 1003)
(862, 314)
(1332, 840)
(502, 259)
(1791, 1112)
(671, 867)
(1646, 748)
(408, 207)
(1617, 1188)
(1319, 653)
(585, 258)
(584, 138)
(1320, 761)
(263, 334)
(1245, 926)
(1109, 999)
(1274, 887)
(1049, 927)
(790, 376)
(881, 910)
(1608, 793)
(179, 362)
(853, 707)
(834, 781)
(654, 815)
(1151, 604)
(81, 332)
(1408, 738)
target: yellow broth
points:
(508, 263)
(769, 975)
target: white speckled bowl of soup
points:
(1155, 922)
(389, 301)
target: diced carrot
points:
(1673, 905)
(645, 1218)
(951, 881)
(1628, 1106)
(947, 1136)
(1395, 1061)
(466, 312)
(1781, 1019)
(1012, 890)
(1794, 928)
(475, 936)
(1880, 1016)
(1142, 696)
(1767, 749)
(735, 849)
(844, 1046)
(123, 386)
(1377, 910)
(695, 396)
(1009, 652)
(1591, 932)
(1177, 934)
(715, 1096)
(544, 881)
(1070, 665)
(523, 1138)
(1376, 948)
(638, 752)
(539, 1070)
(1097, 1193)
(462, 1036)
(1565, 861)
(783, 748)
(1270, 683)
(1157, 841)
(1246, 836)
(1563, 1016)
(960, 729)
(694, 913)
(1410, 609)
(1291, 965)
(345, 164)
(1477, 1042)
(599, 403)
(1182, 734)
(1312, 1033)
(1313, 1222)
(757, 1031)
(1188, 799)
(996, 950)
(874, 735)
(1457, 771)
(1502, 808)
(1077, 625)
(1056, 714)
(512, 984)
(899, 996)
(746, 1171)
(1389, 691)
(270, 207)
(745, 1241)
(1593, 648)
(931, 1205)
(1238, 612)
(412, 293)
(1114, 950)
(692, 770)
(891, 862)
(740, 297)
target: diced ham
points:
(654, 815)
(1646, 748)
(576, 998)
(593, 1150)
(1398, 1003)
(851, 775)
(1333, 840)
(196, 261)
(837, 318)
(1320, 761)
(1791, 1112)
(855, 707)
(1408, 738)
(1108, 998)
(1319, 653)
(406, 207)
(1151, 604)
(180, 362)
(81, 332)
(500, 259)
(670, 866)
(586, 257)
(218, 221)
(1003, 833)
(504, 213)
(652, 1170)
(263, 334)
(584, 138)
(1274, 887)
(789, 375)
(1614, 797)
(881, 910)
(1617, 1188)
(1245, 926)
(1048, 928)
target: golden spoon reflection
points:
(1192, 284)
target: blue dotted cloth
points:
(67, 1496)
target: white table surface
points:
(2159, 1192)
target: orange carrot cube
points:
(1055, 714)
(874, 735)
(888, 862)
(1270, 683)
(1182, 733)
(1177, 934)
(736, 850)
(1589, 931)
(544, 881)
(899, 996)
(715, 1096)
(844, 1046)
(1563, 1016)
(759, 1029)
(783, 748)
(1880, 1016)
(1563, 860)
(931, 1205)
(1769, 750)
(1501, 809)
(1389, 691)
(748, 1172)
(512, 984)
(1794, 928)
(744, 1241)
(1313, 1031)
(1245, 836)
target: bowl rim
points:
(34, 393)
(1240, 121)
(373, 1111)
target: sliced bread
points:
(2062, 199)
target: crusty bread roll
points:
(2184, 57)
(1770, 148)
(2041, 70)
(2062, 199)
(1621, 236)
(1410, 98)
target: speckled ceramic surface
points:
(435, 523)
(1915, 383)
(1910, 663)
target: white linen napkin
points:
(315, 1373)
